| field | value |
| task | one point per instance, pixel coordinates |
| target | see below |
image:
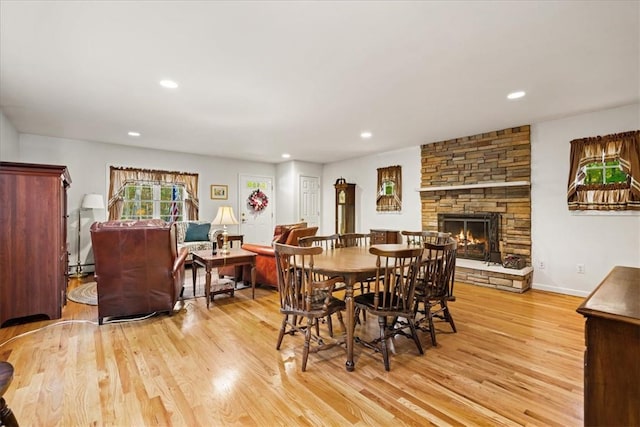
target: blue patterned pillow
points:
(197, 232)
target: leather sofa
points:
(139, 269)
(266, 273)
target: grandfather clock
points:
(345, 207)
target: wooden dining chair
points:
(392, 297)
(355, 239)
(434, 288)
(418, 238)
(327, 243)
(303, 297)
(358, 239)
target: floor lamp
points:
(90, 201)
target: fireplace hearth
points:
(476, 234)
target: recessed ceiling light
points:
(286, 155)
(169, 84)
(516, 95)
(366, 135)
(134, 134)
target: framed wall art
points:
(219, 192)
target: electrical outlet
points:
(580, 268)
(541, 265)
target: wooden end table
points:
(236, 256)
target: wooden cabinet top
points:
(617, 297)
(36, 169)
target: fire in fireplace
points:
(476, 234)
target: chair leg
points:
(356, 316)
(382, 322)
(307, 340)
(329, 326)
(282, 330)
(364, 312)
(448, 316)
(344, 328)
(432, 329)
(7, 419)
(414, 334)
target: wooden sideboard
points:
(612, 356)
(380, 236)
(33, 240)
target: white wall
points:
(285, 214)
(363, 172)
(562, 239)
(88, 164)
(9, 140)
(288, 189)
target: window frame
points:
(156, 202)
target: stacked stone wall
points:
(495, 157)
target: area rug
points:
(87, 293)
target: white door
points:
(310, 200)
(256, 225)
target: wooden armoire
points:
(33, 240)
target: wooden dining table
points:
(354, 264)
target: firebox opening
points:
(476, 234)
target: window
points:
(145, 194)
(144, 200)
(604, 172)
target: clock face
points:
(342, 197)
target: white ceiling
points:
(261, 78)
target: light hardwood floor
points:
(517, 359)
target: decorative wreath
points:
(258, 200)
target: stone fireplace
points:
(482, 183)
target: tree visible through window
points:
(605, 172)
(145, 200)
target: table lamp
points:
(225, 217)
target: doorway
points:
(309, 200)
(256, 224)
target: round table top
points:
(355, 259)
(6, 376)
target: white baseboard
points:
(560, 290)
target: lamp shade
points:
(92, 201)
(225, 216)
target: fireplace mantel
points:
(478, 185)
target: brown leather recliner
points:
(139, 269)
(266, 273)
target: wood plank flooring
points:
(517, 359)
